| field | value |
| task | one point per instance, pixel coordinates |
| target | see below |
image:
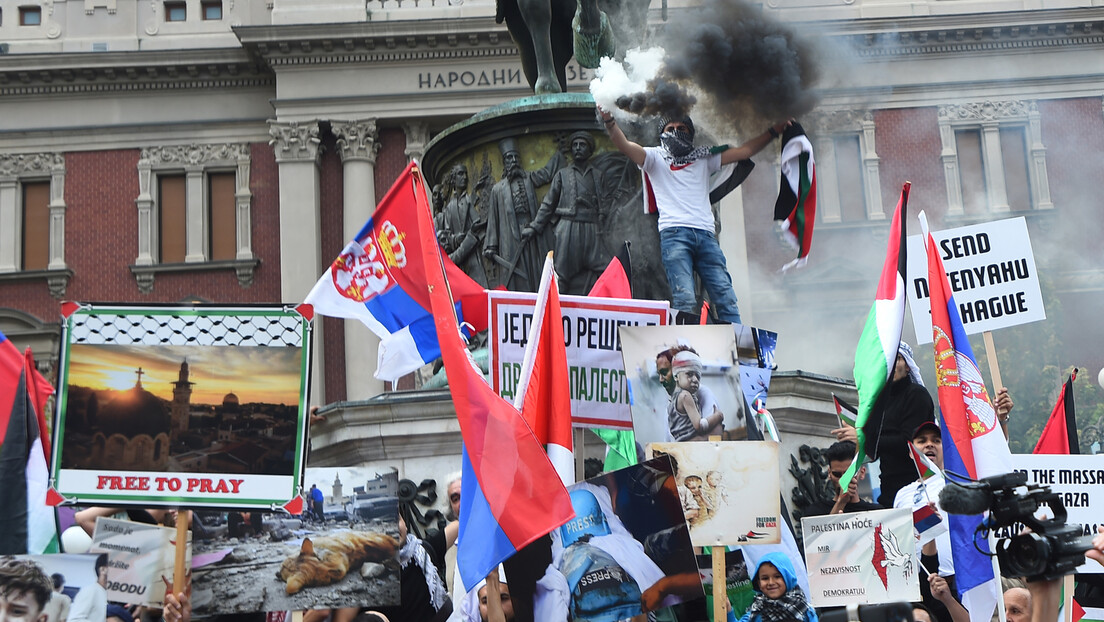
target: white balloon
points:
(1100, 378)
(75, 540)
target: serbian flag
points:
(973, 443)
(544, 391)
(845, 412)
(876, 351)
(380, 280)
(27, 524)
(1060, 433)
(511, 494)
(795, 209)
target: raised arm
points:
(753, 146)
(634, 151)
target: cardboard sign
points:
(140, 559)
(729, 490)
(599, 392)
(1079, 479)
(171, 406)
(861, 558)
(991, 270)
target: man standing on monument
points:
(574, 206)
(513, 206)
(461, 226)
(678, 176)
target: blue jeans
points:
(686, 250)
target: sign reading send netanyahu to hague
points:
(181, 406)
(991, 270)
(599, 393)
(861, 558)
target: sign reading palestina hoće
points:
(171, 406)
(599, 391)
(862, 557)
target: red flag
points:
(544, 390)
(616, 280)
(516, 496)
(1060, 433)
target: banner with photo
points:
(729, 491)
(140, 559)
(622, 553)
(181, 406)
(342, 551)
(599, 392)
(685, 382)
(861, 558)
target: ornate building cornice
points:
(987, 111)
(23, 164)
(195, 155)
(294, 141)
(356, 139)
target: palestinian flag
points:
(27, 524)
(876, 351)
(795, 209)
(1060, 433)
(846, 412)
(924, 467)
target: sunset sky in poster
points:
(253, 373)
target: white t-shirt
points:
(681, 192)
(919, 493)
(90, 604)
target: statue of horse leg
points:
(538, 20)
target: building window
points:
(172, 217)
(32, 218)
(36, 225)
(993, 158)
(212, 9)
(847, 166)
(30, 16)
(176, 12)
(194, 208)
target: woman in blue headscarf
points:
(778, 597)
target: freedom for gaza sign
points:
(991, 270)
(599, 391)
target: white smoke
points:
(614, 79)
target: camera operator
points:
(1046, 596)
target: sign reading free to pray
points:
(599, 391)
(991, 270)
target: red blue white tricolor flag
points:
(973, 443)
(511, 495)
(379, 279)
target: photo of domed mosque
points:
(190, 409)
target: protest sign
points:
(861, 558)
(342, 551)
(174, 406)
(627, 536)
(599, 393)
(718, 398)
(736, 580)
(729, 490)
(1079, 480)
(991, 269)
(79, 573)
(140, 559)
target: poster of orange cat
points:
(341, 551)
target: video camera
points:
(1052, 549)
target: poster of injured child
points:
(626, 552)
(342, 551)
(685, 382)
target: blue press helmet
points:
(589, 519)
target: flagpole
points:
(991, 356)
